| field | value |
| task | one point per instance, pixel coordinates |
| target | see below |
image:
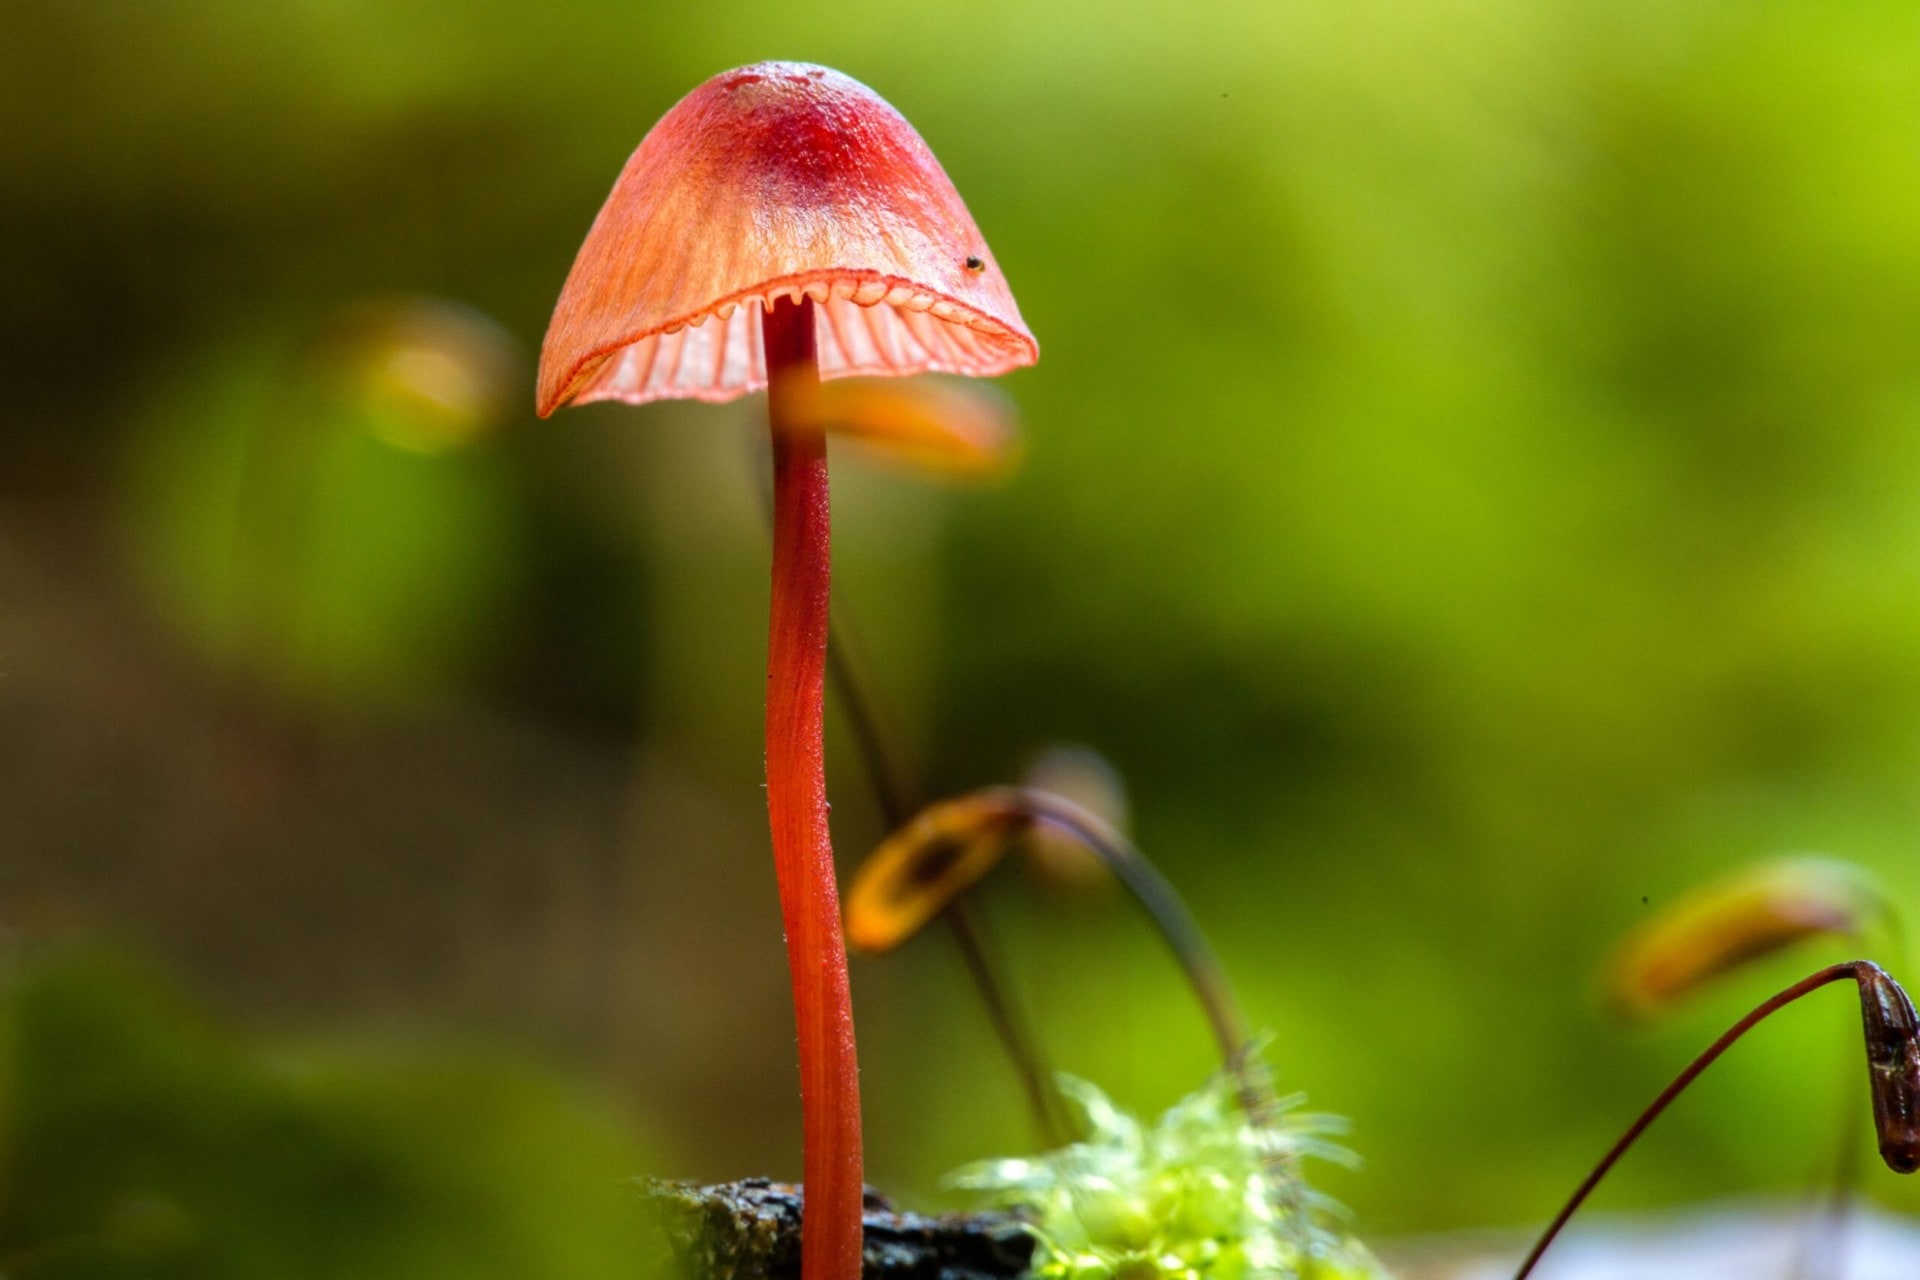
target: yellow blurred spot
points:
(433, 375)
(148, 1225)
(925, 865)
(1724, 925)
(960, 429)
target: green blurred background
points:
(1472, 495)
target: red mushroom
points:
(783, 224)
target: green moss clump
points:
(1208, 1193)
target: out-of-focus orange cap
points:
(1749, 915)
(925, 865)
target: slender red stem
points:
(830, 1237)
(890, 792)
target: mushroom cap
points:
(776, 180)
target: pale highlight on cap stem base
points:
(797, 810)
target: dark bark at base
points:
(750, 1230)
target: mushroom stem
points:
(797, 803)
(888, 781)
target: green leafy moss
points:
(1208, 1193)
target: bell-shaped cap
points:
(777, 180)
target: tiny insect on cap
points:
(777, 180)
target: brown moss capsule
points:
(1893, 1067)
(1892, 1036)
